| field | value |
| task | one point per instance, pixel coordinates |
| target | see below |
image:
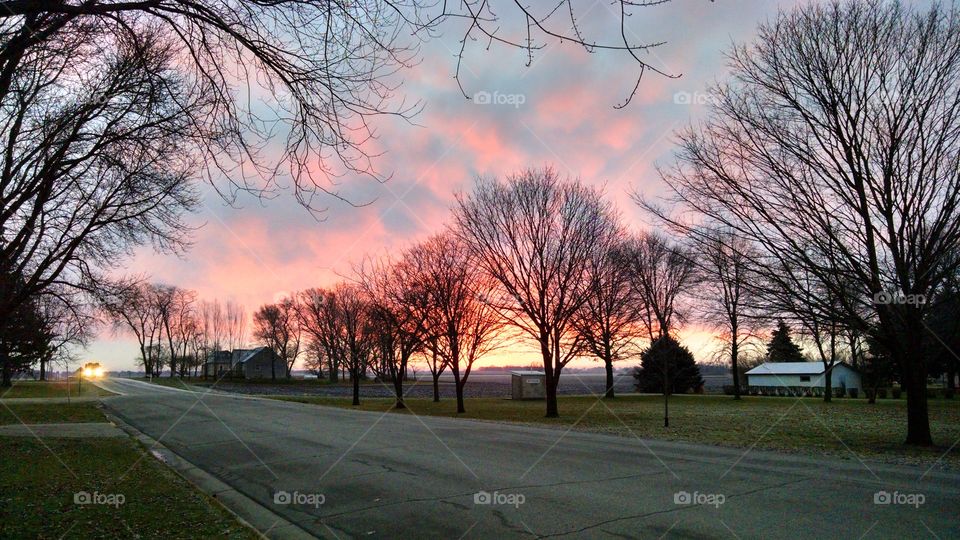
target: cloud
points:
(567, 119)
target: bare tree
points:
(211, 329)
(321, 320)
(64, 322)
(398, 309)
(277, 326)
(95, 165)
(174, 306)
(610, 320)
(534, 236)
(93, 159)
(183, 328)
(660, 273)
(834, 150)
(727, 300)
(353, 316)
(235, 321)
(132, 307)
(323, 69)
(461, 324)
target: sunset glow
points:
(568, 120)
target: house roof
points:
(247, 354)
(788, 368)
(226, 357)
(526, 373)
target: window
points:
(804, 378)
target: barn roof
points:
(788, 368)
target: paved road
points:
(399, 476)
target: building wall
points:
(528, 386)
(258, 366)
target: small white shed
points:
(802, 376)
(528, 385)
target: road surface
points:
(343, 474)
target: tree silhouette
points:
(781, 347)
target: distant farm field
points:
(849, 428)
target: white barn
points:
(802, 375)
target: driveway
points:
(342, 473)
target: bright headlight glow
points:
(98, 372)
(87, 372)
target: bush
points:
(896, 392)
(882, 393)
(853, 392)
(839, 392)
(728, 389)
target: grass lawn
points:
(52, 389)
(38, 483)
(805, 425)
(44, 413)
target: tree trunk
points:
(914, 377)
(436, 387)
(666, 393)
(7, 376)
(334, 368)
(552, 410)
(356, 386)
(734, 353)
(828, 385)
(43, 368)
(460, 408)
(398, 390)
(609, 368)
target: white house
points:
(802, 375)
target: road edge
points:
(247, 511)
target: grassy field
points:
(48, 389)
(39, 482)
(796, 425)
(177, 382)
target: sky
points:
(559, 111)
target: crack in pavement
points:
(677, 508)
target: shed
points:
(801, 376)
(528, 384)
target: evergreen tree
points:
(781, 347)
(22, 342)
(682, 372)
